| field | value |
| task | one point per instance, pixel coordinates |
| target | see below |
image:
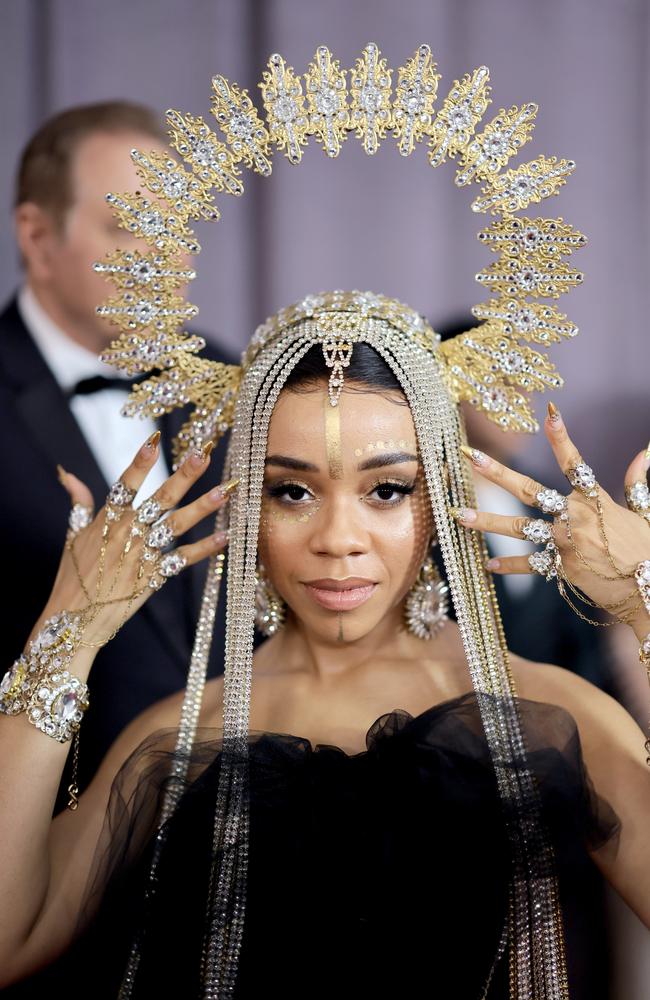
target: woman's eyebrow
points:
(376, 462)
(297, 464)
(388, 458)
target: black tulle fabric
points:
(378, 874)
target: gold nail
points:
(229, 486)
(207, 449)
(61, 473)
(456, 512)
(467, 451)
(152, 441)
(647, 451)
(553, 411)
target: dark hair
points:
(366, 368)
(44, 172)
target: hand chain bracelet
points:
(40, 684)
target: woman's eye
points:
(289, 492)
(390, 494)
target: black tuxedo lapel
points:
(50, 422)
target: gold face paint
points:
(271, 514)
(333, 439)
(389, 445)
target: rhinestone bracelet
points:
(40, 684)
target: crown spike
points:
(517, 189)
(325, 87)
(501, 139)
(371, 113)
(201, 148)
(239, 121)
(459, 115)
(285, 108)
(417, 87)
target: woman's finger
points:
(76, 489)
(509, 564)
(186, 517)
(144, 460)
(172, 491)
(205, 547)
(500, 524)
(523, 487)
(637, 470)
(565, 451)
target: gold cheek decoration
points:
(271, 514)
(333, 439)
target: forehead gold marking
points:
(391, 444)
(333, 439)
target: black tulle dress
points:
(381, 874)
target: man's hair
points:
(45, 171)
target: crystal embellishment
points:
(551, 502)
(538, 531)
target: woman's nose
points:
(338, 529)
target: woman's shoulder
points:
(606, 730)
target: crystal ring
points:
(551, 502)
(79, 517)
(544, 562)
(581, 476)
(119, 497)
(170, 565)
(637, 497)
(538, 531)
(161, 535)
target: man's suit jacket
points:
(149, 657)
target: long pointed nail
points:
(61, 474)
(553, 412)
(206, 450)
(647, 451)
(463, 514)
(475, 456)
(230, 485)
(152, 441)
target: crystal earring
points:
(425, 611)
(269, 606)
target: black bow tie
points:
(96, 383)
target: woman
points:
(381, 855)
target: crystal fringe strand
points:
(537, 926)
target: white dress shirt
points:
(112, 438)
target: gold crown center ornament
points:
(489, 366)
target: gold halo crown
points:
(488, 366)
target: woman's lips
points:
(338, 599)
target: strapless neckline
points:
(402, 716)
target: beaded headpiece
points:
(488, 366)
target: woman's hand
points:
(116, 572)
(627, 532)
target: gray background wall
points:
(386, 224)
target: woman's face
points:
(346, 520)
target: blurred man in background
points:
(59, 404)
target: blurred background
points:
(389, 224)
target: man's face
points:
(89, 230)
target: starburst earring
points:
(427, 603)
(269, 606)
